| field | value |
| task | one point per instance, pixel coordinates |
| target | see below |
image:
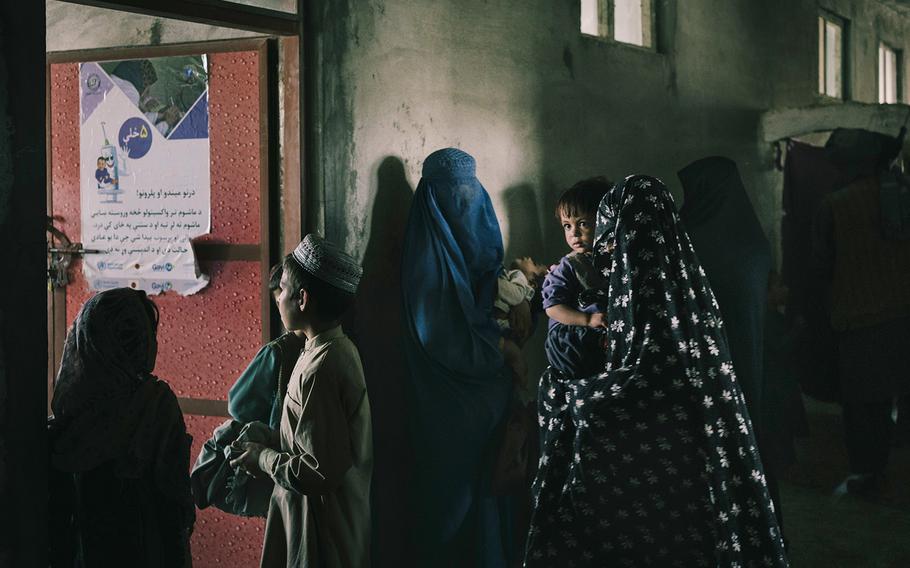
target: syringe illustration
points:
(107, 173)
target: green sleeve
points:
(252, 396)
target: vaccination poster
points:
(144, 171)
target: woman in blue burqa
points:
(119, 453)
(653, 461)
(459, 389)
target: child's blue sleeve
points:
(251, 397)
(560, 286)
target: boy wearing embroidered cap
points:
(321, 457)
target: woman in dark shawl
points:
(119, 451)
(736, 256)
(733, 250)
(653, 461)
(459, 388)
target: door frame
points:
(222, 13)
(273, 218)
(295, 36)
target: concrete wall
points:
(870, 23)
(71, 27)
(540, 106)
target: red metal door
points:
(206, 339)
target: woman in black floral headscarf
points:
(653, 461)
(119, 451)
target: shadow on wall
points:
(376, 326)
(524, 236)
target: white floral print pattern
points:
(652, 462)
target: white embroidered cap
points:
(328, 262)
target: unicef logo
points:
(166, 267)
(93, 83)
(102, 265)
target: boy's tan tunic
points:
(320, 510)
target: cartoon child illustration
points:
(106, 173)
(103, 175)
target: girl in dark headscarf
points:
(653, 461)
(458, 382)
(119, 451)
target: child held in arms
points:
(321, 456)
(574, 292)
(515, 288)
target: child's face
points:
(101, 164)
(288, 301)
(579, 231)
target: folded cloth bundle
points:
(216, 483)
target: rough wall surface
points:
(71, 27)
(541, 106)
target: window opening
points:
(830, 56)
(889, 75)
(626, 21)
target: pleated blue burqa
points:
(459, 390)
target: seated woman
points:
(652, 461)
(118, 448)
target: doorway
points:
(205, 338)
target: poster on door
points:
(144, 172)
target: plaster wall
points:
(539, 106)
(71, 27)
(869, 23)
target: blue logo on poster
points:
(93, 83)
(135, 137)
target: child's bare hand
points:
(597, 320)
(248, 461)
